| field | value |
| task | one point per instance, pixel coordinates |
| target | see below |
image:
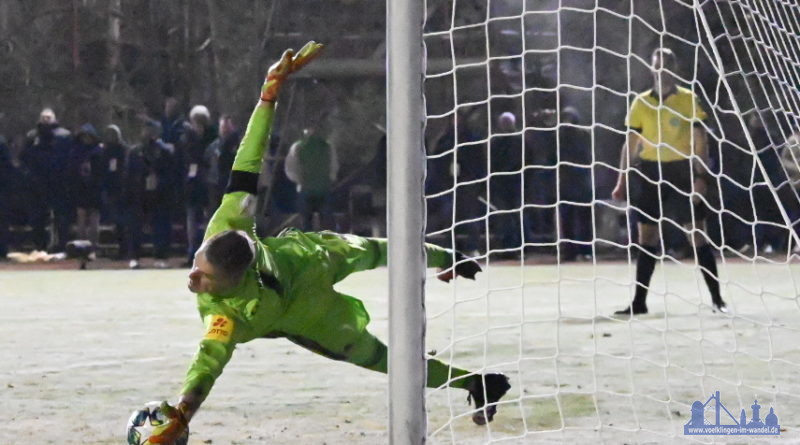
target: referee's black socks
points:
(706, 260)
(645, 265)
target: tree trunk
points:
(76, 37)
(4, 17)
(218, 90)
(114, 26)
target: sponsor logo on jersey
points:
(220, 328)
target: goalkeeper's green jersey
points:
(289, 289)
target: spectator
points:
(790, 160)
(148, 193)
(219, 158)
(312, 165)
(469, 168)
(734, 197)
(172, 122)
(85, 181)
(197, 136)
(7, 174)
(44, 157)
(458, 152)
(540, 185)
(768, 236)
(575, 186)
(471, 165)
(366, 193)
(505, 182)
(376, 177)
(114, 156)
(13, 192)
(438, 181)
(282, 197)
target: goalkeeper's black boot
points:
(496, 387)
(720, 306)
(633, 309)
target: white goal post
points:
(405, 223)
(505, 120)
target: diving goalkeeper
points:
(250, 288)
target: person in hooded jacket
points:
(85, 181)
(150, 181)
(198, 135)
(7, 170)
(113, 164)
(219, 158)
(575, 187)
(172, 121)
(505, 183)
(43, 159)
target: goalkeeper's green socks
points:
(440, 373)
(370, 353)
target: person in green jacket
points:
(249, 287)
(312, 164)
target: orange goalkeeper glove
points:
(172, 430)
(289, 63)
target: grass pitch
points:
(82, 349)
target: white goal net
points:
(526, 105)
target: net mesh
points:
(526, 108)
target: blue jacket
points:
(44, 160)
(85, 168)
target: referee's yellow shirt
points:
(666, 127)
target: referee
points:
(667, 143)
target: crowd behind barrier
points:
(150, 195)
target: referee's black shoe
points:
(496, 387)
(719, 306)
(633, 309)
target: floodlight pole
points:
(405, 124)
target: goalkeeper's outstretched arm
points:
(236, 211)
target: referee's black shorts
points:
(664, 191)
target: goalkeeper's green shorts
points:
(332, 325)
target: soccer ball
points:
(143, 421)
